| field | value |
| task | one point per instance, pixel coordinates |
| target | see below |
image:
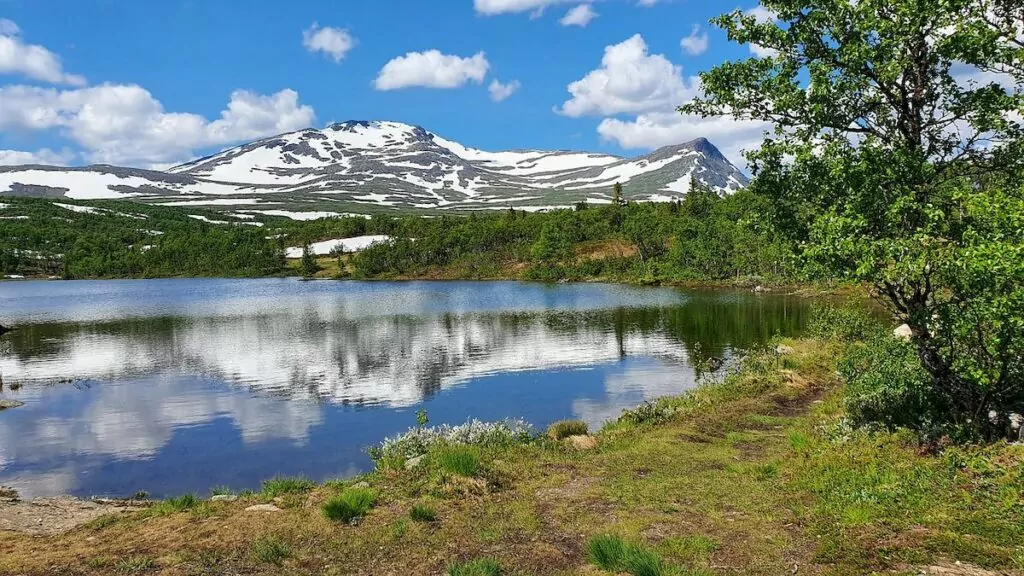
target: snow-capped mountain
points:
(355, 166)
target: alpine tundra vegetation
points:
(894, 163)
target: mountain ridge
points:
(369, 166)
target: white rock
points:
(1016, 420)
(783, 350)
(903, 332)
(413, 462)
(224, 498)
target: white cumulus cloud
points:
(500, 92)
(335, 43)
(125, 124)
(432, 69)
(579, 16)
(629, 81)
(696, 43)
(43, 156)
(656, 129)
(30, 60)
(649, 87)
(8, 28)
(493, 7)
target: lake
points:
(175, 386)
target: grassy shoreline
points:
(755, 475)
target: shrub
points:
(605, 552)
(654, 413)
(565, 428)
(279, 486)
(460, 460)
(843, 323)
(887, 386)
(422, 513)
(270, 550)
(350, 506)
(417, 441)
(481, 567)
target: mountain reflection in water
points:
(172, 386)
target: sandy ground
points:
(49, 516)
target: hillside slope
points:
(373, 166)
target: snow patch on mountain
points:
(324, 248)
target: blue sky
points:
(153, 83)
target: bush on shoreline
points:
(396, 450)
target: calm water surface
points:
(174, 386)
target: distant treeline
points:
(702, 237)
(129, 240)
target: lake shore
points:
(754, 475)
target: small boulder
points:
(363, 484)
(903, 332)
(224, 498)
(263, 508)
(413, 462)
(5, 404)
(582, 442)
(783, 350)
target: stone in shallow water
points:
(5, 404)
(263, 508)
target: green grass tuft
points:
(610, 553)
(605, 551)
(221, 491)
(640, 561)
(480, 567)
(270, 550)
(564, 428)
(351, 505)
(422, 513)
(173, 505)
(279, 486)
(459, 460)
(135, 565)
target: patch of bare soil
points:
(50, 516)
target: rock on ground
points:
(582, 442)
(903, 332)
